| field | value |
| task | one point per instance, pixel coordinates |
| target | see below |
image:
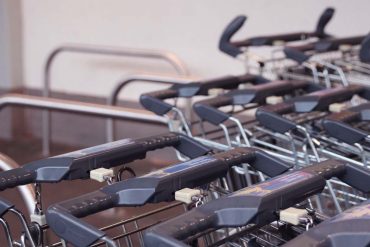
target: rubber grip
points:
(225, 44)
(89, 204)
(344, 116)
(296, 54)
(356, 176)
(364, 53)
(334, 44)
(207, 109)
(177, 229)
(270, 117)
(327, 169)
(16, 177)
(323, 21)
(184, 144)
(224, 82)
(281, 108)
(70, 228)
(154, 101)
(343, 131)
(271, 39)
(256, 158)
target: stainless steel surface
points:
(167, 56)
(130, 79)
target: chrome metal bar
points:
(154, 79)
(80, 107)
(167, 56)
(26, 191)
(8, 234)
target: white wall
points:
(190, 28)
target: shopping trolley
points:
(158, 186)
(90, 163)
(304, 111)
(247, 211)
(241, 49)
(350, 228)
(329, 61)
(155, 101)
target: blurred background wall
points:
(31, 29)
(190, 29)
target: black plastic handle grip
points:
(154, 101)
(256, 204)
(183, 143)
(336, 125)
(271, 117)
(296, 54)
(157, 186)
(230, 82)
(334, 44)
(69, 228)
(16, 177)
(207, 109)
(345, 116)
(225, 44)
(323, 21)
(5, 205)
(234, 48)
(364, 53)
(78, 164)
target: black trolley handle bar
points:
(154, 187)
(257, 204)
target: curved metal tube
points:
(170, 57)
(159, 79)
(26, 191)
(80, 107)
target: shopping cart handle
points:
(323, 21)
(338, 128)
(207, 109)
(78, 164)
(5, 205)
(349, 228)
(297, 53)
(155, 187)
(234, 48)
(154, 101)
(364, 53)
(270, 117)
(252, 205)
(338, 125)
(225, 45)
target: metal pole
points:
(80, 107)
(158, 79)
(169, 57)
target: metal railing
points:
(169, 57)
(155, 79)
(80, 107)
